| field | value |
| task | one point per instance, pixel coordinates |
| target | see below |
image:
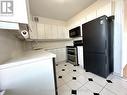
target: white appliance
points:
(80, 56)
(79, 45)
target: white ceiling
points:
(58, 9)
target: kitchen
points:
(42, 37)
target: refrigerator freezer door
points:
(97, 63)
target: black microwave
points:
(75, 32)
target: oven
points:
(72, 55)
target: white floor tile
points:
(94, 87)
(63, 73)
(99, 80)
(117, 88)
(74, 74)
(74, 84)
(89, 75)
(82, 79)
(60, 82)
(84, 91)
(67, 78)
(64, 90)
(106, 92)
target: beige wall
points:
(10, 46)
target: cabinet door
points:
(40, 31)
(16, 14)
(65, 33)
(33, 32)
(60, 32)
(105, 10)
(91, 16)
(48, 34)
(63, 52)
(54, 32)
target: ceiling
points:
(58, 9)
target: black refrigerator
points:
(98, 45)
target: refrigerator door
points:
(95, 45)
(95, 35)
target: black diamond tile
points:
(90, 79)
(74, 78)
(109, 81)
(63, 69)
(96, 94)
(60, 77)
(65, 65)
(74, 92)
(74, 70)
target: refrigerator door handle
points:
(106, 47)
(105, 44)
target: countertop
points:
(28, 57)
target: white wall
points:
(124, 48)
(10, 46)
(119, 17)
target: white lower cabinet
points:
(60, 54)
(30, 78)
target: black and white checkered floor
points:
(73, 80)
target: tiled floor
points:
(73, 80)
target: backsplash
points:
(10, 46)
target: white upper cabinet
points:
(54, 32)
(41, 31)
(91, 16)
(105, 10)
(49, 31)
(14, 11)
(65, 32)
(60, 31)
(33, 30)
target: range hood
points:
(9, 25)
(22, 30)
